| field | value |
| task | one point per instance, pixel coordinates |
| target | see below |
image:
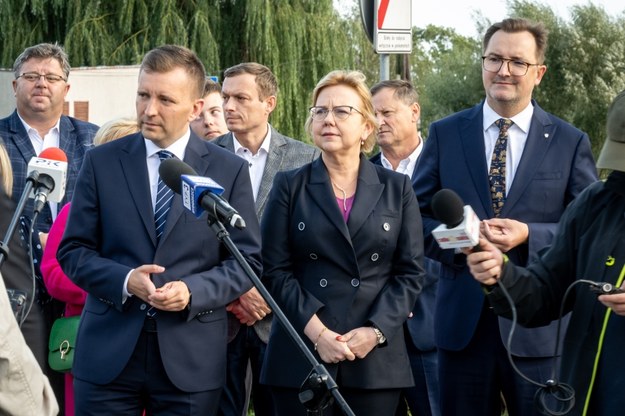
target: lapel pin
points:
(546, 135)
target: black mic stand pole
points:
(314, 393)
(31, 180)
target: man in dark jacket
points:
(587, 247)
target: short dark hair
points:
(266, 82)
(513, 25)
(169, 57)
(211, 87)
(43, 51)
(403, 90)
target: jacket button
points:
(301, 226)
(323, 282)
(143, 306)
(313, 256)
(375, 257)
(386, 226)
(355, 282)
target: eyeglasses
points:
(516, 67)
(34, 76)
(340, 112)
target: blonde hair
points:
(6, 172)
(356, 81)
(115, 129)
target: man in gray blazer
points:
(249, 96)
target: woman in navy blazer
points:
(343, 253)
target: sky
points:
(458, 14)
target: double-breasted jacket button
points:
(301, 226)
(386, 226)
(313, 256)
(355, 282)
(323, 282)
(375, 257)
(143, 306)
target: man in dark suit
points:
(518, 178)
(267, 152)
(155, 310)
(397, 109)
(40, 85)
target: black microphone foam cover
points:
(170, 171)
(447, 207)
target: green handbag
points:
(62, 343)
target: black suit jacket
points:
(366, 271)
(111, 230)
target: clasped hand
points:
(173, 296)
(357, 343)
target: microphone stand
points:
(316, 389)
(31, 180)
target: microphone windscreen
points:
(53, 153)
(448, 207)
(170, 172)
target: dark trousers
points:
(363, 402)
(473, 380)
(423, 398)
(142, 385)
(246, 348)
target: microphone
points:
(51, 169)
(199, 194)
(460, 226)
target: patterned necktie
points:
(164, 195)
(497, 174)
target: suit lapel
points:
(195, 156)
(539, 138)
(368, 194)
(133, 161)
(272, 166)
(321, 193)
(472, 143)
(20, 137)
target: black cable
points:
(552, 393)
(26, 311)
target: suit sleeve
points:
(582, 173)
(425, 185)
(78, 252)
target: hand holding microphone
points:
(460, 229)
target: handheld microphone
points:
(51, 168)
(199, 194)
(460, 226)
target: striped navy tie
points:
(164, 195)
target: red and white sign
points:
(393, 26)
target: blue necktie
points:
(164, 195)
(497, 174)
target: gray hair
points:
(43, 51)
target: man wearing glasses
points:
(40, 86)
(518, 167)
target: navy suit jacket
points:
(556, 165)
(368, 270)
(76, 137)
(111, 231)
(421, 324)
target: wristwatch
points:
(380, 335)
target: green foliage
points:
(302, 40)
